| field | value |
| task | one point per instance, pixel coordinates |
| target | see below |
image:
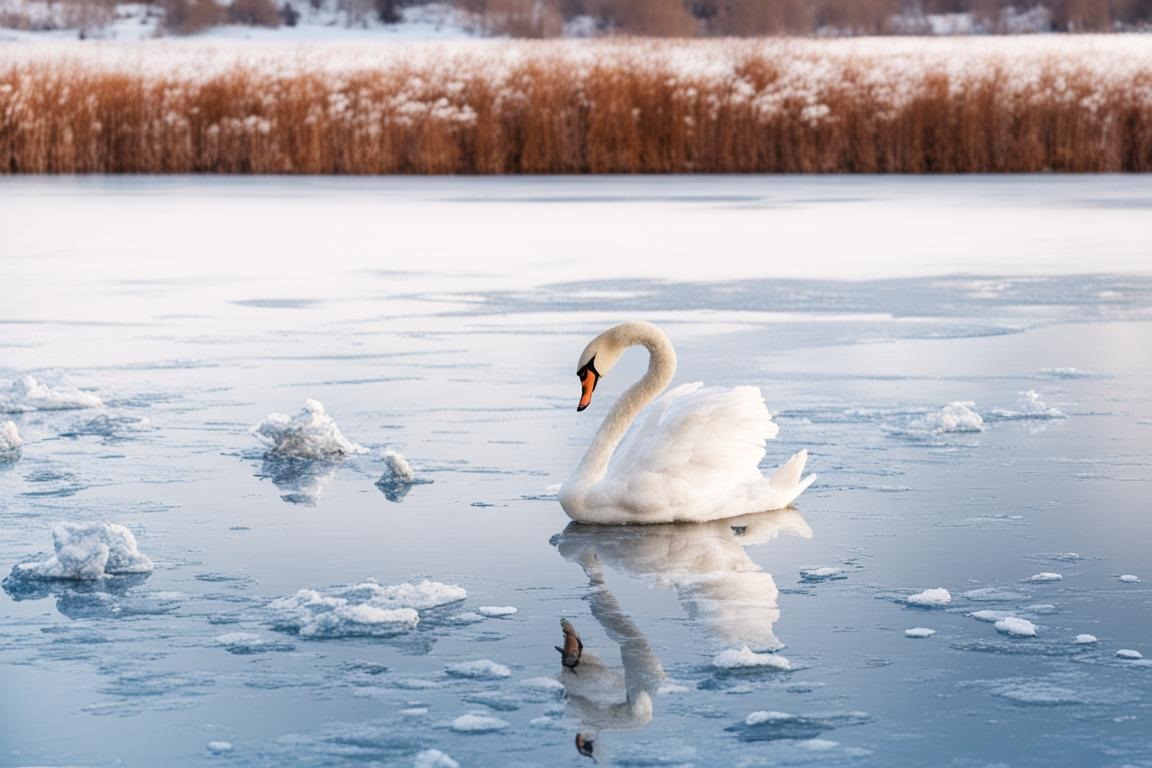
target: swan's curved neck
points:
(661, 369)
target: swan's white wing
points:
(697, 452)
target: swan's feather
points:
(696, 457)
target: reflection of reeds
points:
(1067, 104)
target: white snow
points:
(497, 611)
(414, 711)
(746, 658)
(767, 716)
(1016, 627)
(311, 434)
(475, 723)
(28, 394)
(10, 442)
(1129, 578)
(1031, 407)
(990, 616)
(366, 609)
(397, 470)
(1045, 576)
(542, 684)
(434, 758)
(919, 632)
(219, 747)
(1127, 653)
(88, 551)
(930, 598)
(820, 574)
(483, 669)
(957, 416)
(1085, 639)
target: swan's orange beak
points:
(587, 385)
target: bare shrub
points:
(255, 13)
(523, 18)
(184, 17)
(650, 18)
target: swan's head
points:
(604, 351)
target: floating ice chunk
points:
(746, 658)
(219, 747)
(243, 643)
(762, 716)
(993, 595)
(483, 669)
(957, 416)
(1035, 692)
(1043, 609)
(367, 609)
(546, 684)
(28, 394)
(1016, 627)
(311, 434)
(10, 442)
(434, 758)
(826, 573)
(930, 598)
(818, 745)
(1127, 653)
(497, 611)
(1045, 576)
(1085, 639)
(1129, 578)
(414, 711)
(88, 551)
(398, 477)
(476, 723)
(1068, 373)
(990, 616)
(1031, 407)
(919, 632)
(467, 617)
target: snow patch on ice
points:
(483, 669)
(219, 747)
(361, 610)
(434, 758)
(826, 573)
(1128, 653)
(1129, 578)
(1036, 692)
(1086, 639)
(990, 616)
(1016, 627)
(930, 598)
(763, 716)
(29, 394)
(1032, 406)
(87, 551)
(497, 611)
(478, 723)
(993, 595)
(919, 632)
(311, 434)
(10, 442)
(745, 658)
(956, 417)
(398, 477)
(1044, 577)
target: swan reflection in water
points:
(719, 585)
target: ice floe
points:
(1086, 640)
(746, 658)
(483, 669)
(1044, 577)
(478, 723)
(10, 442)
(1016, 627)
(993, 595)
(919, 632)
(244, 643)
(398, 477)
(219, 747)
(1035, 692)
(28, 394)
(1129, 578)
(1128, 653)
(825, 573)
(956, 417)
(930, 598)
(361, 610)
(771, 726)
(1032, 406)
(497, 611)
(434, 758)
(990, 616)
(311, 434)
(88, 551)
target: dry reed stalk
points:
(1003, 105)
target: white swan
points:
(695, 458)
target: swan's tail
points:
(786, 481)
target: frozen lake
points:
(443, 318)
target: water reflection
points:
(732, 597)
(301, 481)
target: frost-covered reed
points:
(1070, 103)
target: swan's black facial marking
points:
(589, 378)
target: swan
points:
(694, 459)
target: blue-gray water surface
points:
(443, 318)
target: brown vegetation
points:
(624, 107)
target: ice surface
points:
(478, 723)
(10, 442)
(497, 611)
(1130, 578)
(367, 609)
(311, 434)
(1045, 576)
(1128, 653)
(1031, 407)
(957, 416)
(919, 632)
(88, 551)
(28, 394)
(243, 643)
(930, 598)
(219, 747)
(993, 595)
(990, 616)
(398, 477)
(483, 669)
(1086, 639)
(767, 725)
(434, 758)
(1016, 627)
(745, 658)
(1035, 692)
(826, 573)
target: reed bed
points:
(1076, 104)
